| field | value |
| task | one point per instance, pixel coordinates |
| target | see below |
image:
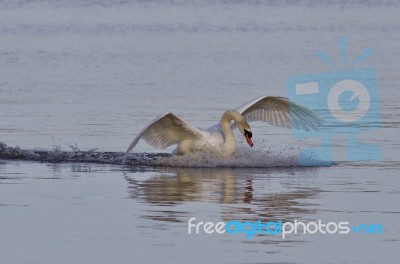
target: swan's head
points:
(244, 128)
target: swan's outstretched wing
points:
(166, 130)
(281, 112)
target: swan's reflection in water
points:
(247, 194)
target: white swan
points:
(168, 129)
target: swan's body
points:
(168, 129)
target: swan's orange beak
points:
(249, 141)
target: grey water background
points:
(94, 73)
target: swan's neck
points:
(229, 145)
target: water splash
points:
(243, 158)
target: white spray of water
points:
(244, 157)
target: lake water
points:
(92, 74)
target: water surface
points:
(88, 76)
